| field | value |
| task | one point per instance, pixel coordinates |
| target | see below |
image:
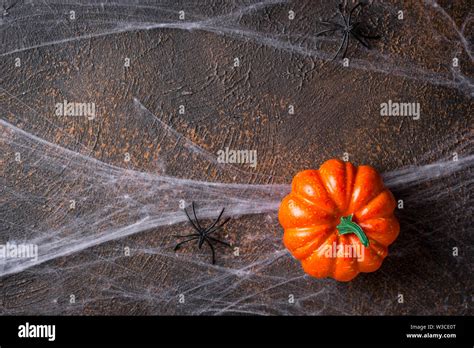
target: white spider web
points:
(114, 203)
(118, 207)
(97, 19)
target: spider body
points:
(203, 235)
(348, 29)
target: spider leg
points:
(191, 221)
(347, 46)
(185, 241)
(341, 12)
(352, 11)
(213, 251)
(215, 222)
(325, 31)
(365, 44)
(333, 24)
(201, 241)
(220, 241)
(340, 47)
(217, 227)
(186, 235)
(195, 217)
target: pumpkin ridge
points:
(288, 222)
(372, 238)
(329, 234)
(375, 235)
(310, 202)
(365, 170)
(332, 264)
(384, 189)
(373, 253)
(353, 241)
(349, 197)
(342, 261)
(374, 242)
(326, 235)
(327, 191)
(322, 231)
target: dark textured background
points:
(337, 110)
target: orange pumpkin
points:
(339, 220)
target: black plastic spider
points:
(203, 234)
(348, 28)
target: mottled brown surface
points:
(337, 110)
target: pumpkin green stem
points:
(348, 226)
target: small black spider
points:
(203, 234)
(348, 28)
